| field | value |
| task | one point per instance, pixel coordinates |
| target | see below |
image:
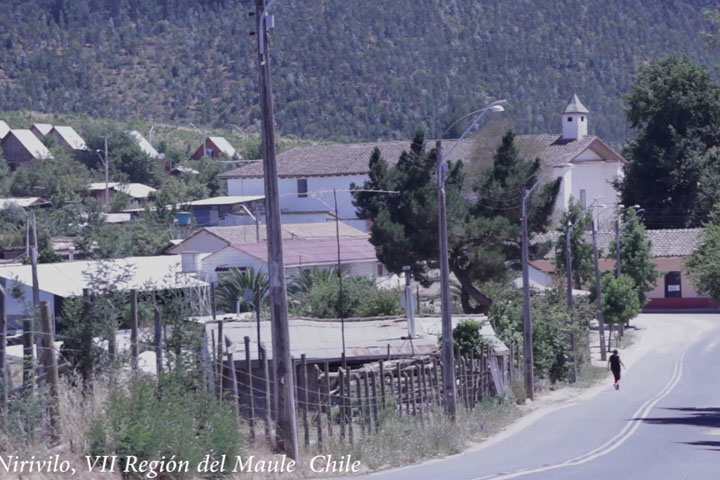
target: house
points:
(24, 202)
(669, 248)
(145, 146)
(357, 257)
(214, 147)
(212, 239)
(22, 149)
(59, 281)
(68, 137)
(225, 210)
(138, 192)
(308, 175)
(41, 129)
(4, 129)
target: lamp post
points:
(448, 356)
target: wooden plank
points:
(52, 378)
(251, 393)
(304, 396)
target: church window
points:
(569, 119)
(582, 119)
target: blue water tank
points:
(183, 218)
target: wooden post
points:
(266, 389)
(4, 384)
(382, 384)
(158, 342)
(86, 366)
(349, 409)
(341, 382)
(304, 397)
(251, 394)
(361, 403)
(319, 411)
(425, 405)
(398, 371)
(28, 360)
(368, 401)
(413, 378)
(376, 403)
(51, 370)
(436, 382)
(134, 330)
(234, 397)
(329, 399)
(471, 376)
(220, 341)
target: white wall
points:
(203, 242)
(16, 309)
(596, 177)
(320, 193)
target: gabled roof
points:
(23, 202)
(575, 106)
(135, 190)
(354, 158)
(42, 128)
(4, 129)
(224, 200)
(223, 145)
(322, 251)
(31, 143)
(145, 146)
(678, 242)
(71, 137)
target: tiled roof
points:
(663, 243)
(353, 159)
(315, 252)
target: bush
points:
(150, 422)
(360, 298)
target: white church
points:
(308, 175)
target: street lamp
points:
(527, 320)
(448, 357)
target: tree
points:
(484, 232)
(620, 300)
(583, 268)
(635, 256)
(467, 337)
(674, 107)
(704, 263)
(236, 284)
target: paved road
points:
(664, 422)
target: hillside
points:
(342, 69)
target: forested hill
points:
(342, 69)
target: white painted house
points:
(308, 175)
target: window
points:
(582, 119)
(673, 285)
(569, 119)
(583, 199)
(302, 188)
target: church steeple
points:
(574, 119)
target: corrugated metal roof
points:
(318, 251)
(68, 279)
(145, 146)
(4, 129)
(364, 338)
(135, 190)
(43, 128)
(23, 202)
(71, 137)
(223, 145)
(32, 144)
(225, 200)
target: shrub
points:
(360, 298)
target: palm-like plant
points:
(301, 284)
(233, 286)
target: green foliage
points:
(300, 284)
(483, 234)
(467, 337)
(583, 268)
(636, 256)
(233, 285)
(674, 163)
(620, 299)
(150, 421)
(59, 180)
(704, 263)
(376, 71)
(360, 298)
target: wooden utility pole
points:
(527, 320)
(3, 351)
(286, 421)
(598, 296)
(568, 278)
(52, 378)
(134, 330)
(158, 342)
(448, 356)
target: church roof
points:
(575, 106)
(354, 158)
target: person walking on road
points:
(614, 364)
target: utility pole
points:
(448, 355)
(107, 174)
(618, 268)
(568, 278)
(527, 320)
(598, 295)
(286, 431)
